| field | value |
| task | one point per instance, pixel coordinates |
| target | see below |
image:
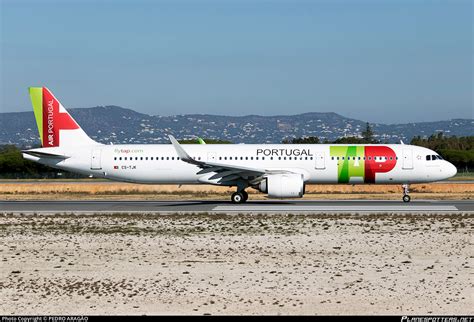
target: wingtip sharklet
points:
(182, 154)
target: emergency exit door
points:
(211, 157)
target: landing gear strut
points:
(406, 197)
(239, 197)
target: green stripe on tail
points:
(36, 96)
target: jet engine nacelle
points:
(283, 185)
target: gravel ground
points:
(236, 264)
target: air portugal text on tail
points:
(279, 170)
(56, 127)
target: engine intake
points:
(283, 185)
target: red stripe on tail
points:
(53, 120)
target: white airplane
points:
(279, 170)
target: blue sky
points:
(381, 61)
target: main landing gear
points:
(239, 197)
(406, 197)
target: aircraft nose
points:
(451, 170)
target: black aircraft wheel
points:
(406, 198)
(237, 197)
(245, 195)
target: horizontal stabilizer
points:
(45, 154)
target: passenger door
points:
(407, 159)
(320, 160)
(96, 159)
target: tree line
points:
(366, 137)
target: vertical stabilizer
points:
(56, 126)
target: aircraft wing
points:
(224, 172)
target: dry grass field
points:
(115, 190)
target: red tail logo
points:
(53, 120)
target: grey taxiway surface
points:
(265, 206)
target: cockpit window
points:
(434, 157)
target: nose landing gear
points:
(406, 197)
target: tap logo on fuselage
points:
(355, 162)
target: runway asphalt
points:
(265, 206)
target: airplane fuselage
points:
(318, 163)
